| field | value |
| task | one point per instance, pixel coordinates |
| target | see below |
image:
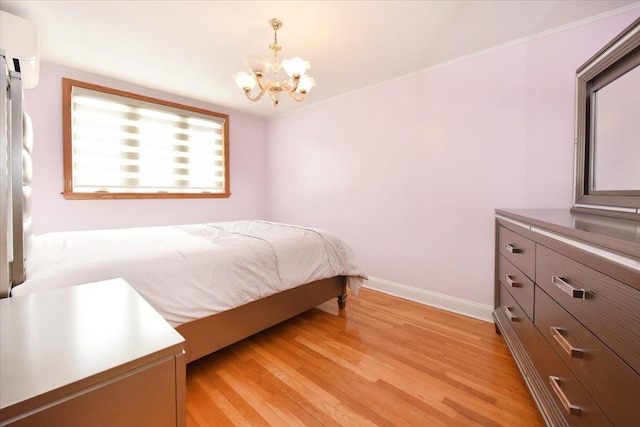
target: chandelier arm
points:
(263, 87)
(285, 87)
(288, 87)
(295, 81)
(254, 98)
(292, 95)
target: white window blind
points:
(127, 145)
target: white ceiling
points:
(190, 48)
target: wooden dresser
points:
(568, 305)
(89, 355)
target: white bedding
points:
(192, 271)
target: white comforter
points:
(192, 271)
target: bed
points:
(216, 283)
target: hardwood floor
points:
(383, 361)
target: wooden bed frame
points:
(209, 334)
(203, 336)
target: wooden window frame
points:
(68, 193)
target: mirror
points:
(616, 138)
(608, 128)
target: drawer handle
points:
(511, 248)
(510, 281)
(567, 288)
(568, 406)
(556, 333)
(509, 314)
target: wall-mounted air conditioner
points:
(18, 39)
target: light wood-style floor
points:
(383, 361)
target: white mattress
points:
(192, 271)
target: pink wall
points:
(51, 212)
(409, 173)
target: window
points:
(122, 145)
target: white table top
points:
(52, 339)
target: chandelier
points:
(296, 87)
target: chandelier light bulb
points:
(257, 64)
(295, 66)
(244, 80)
(305, 84)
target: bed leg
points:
(342, 298)
(342, 301)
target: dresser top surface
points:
(52, 339)
(619, 235)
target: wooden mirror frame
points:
(617, 57)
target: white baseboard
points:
(433, 299)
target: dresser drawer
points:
(578, 407)
(519, 250)
(519, 285)
(609, 381)
(516, 317)
(610, 309)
